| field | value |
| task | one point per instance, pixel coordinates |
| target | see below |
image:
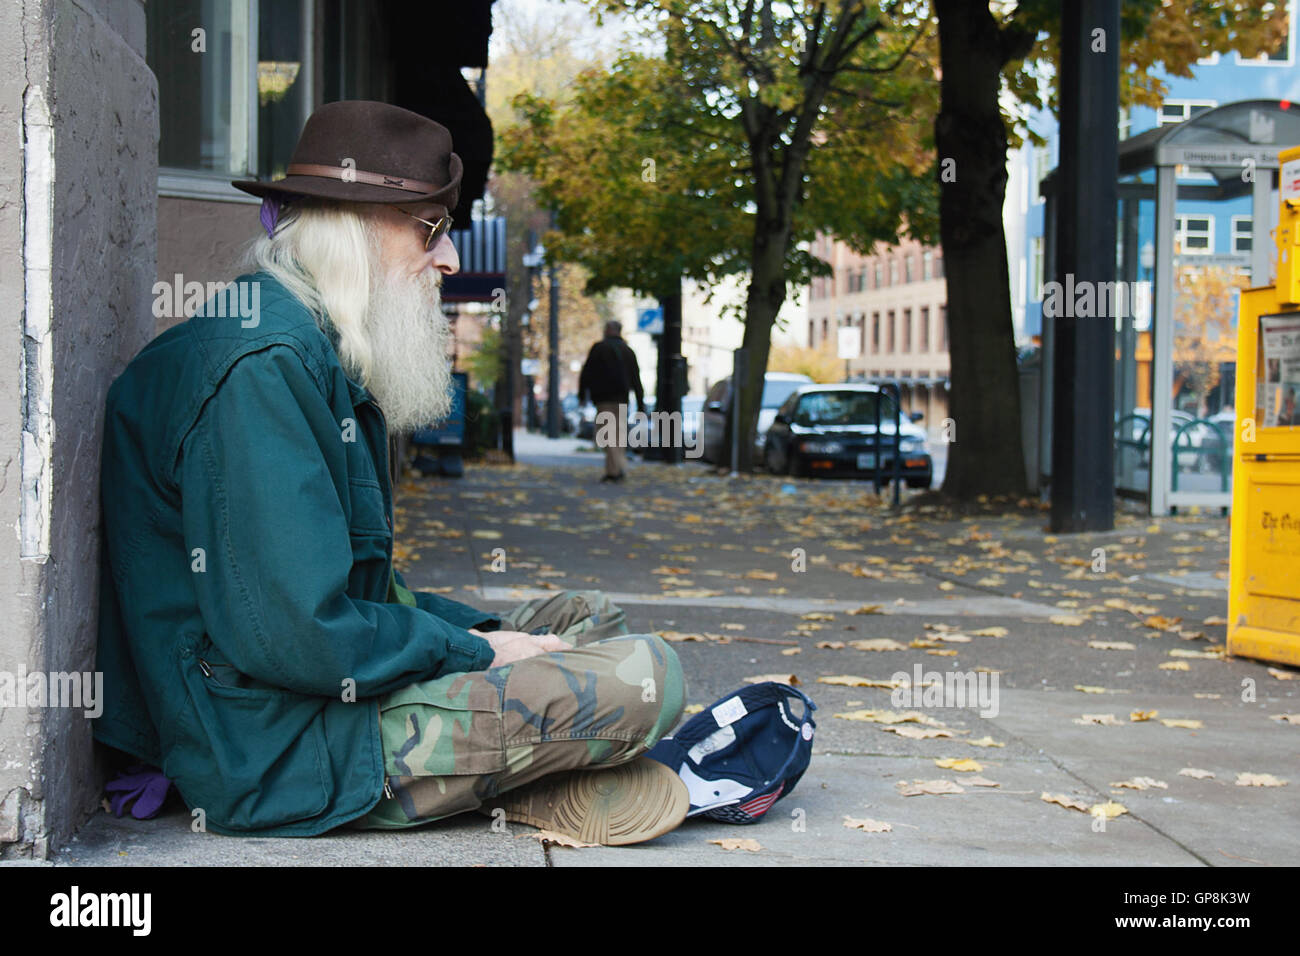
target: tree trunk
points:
(986, 456)
(764, 300)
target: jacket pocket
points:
(367, 515)
(251, 757)
(371, 539)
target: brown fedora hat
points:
(363, 151)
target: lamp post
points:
(532, 262)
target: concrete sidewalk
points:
(749, 576)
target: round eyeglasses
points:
(436, 229)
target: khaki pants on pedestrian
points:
(614, 452)
(454, 742)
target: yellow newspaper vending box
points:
(1264, 576)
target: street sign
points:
(650, 320)
(848, 342)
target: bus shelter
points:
(1197, 208)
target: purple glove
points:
(141, 785)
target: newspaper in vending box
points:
(1279, 384)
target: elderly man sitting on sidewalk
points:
(257, 644)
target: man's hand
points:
(511, 646)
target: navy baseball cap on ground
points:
(743, 753)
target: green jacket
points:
(249, 612)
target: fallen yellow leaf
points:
(1110, 809)
(917, 733)
(1175, 666)
(1141, 783)
(959, 764)
(831, 645)
(982, 782)
(1105, 720)
(1281, 674)
(1285, 718)
(847, 680)
(890, 717)
(868, 609)
(738, 843)
(918, 787)
(1201, 655)
(1259, 780)
(791, 651)
(1196, 773)
(870, 826)
(777, 678)
(990, 632)
(1066, 620)
(1062, 800)
(1112, 645)
(1138, 716)
(1162, 623)
(877, 644)
(1180, 722)
(1089, 689)
(985, 742)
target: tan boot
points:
(613, 806)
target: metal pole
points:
(878, 472)
(1083, 475)
(738, 369)
(553, 371)
(1162, 343)
(668, 397)
(898, 440)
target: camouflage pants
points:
(453, 742)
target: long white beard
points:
(410, 375)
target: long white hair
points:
(321, 253)
(393, 335)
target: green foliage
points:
(737, 138)
(484, 363)
(1155, 36)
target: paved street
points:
(707, 560)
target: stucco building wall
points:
(78, 209)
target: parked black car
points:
(830, 430)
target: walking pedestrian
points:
(610, 372)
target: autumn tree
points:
(760, 125)
(537, 52)
(820, 364)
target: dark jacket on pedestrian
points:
(610, 372)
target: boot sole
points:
(613, 806)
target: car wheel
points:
(923, 482)
(793, 467)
